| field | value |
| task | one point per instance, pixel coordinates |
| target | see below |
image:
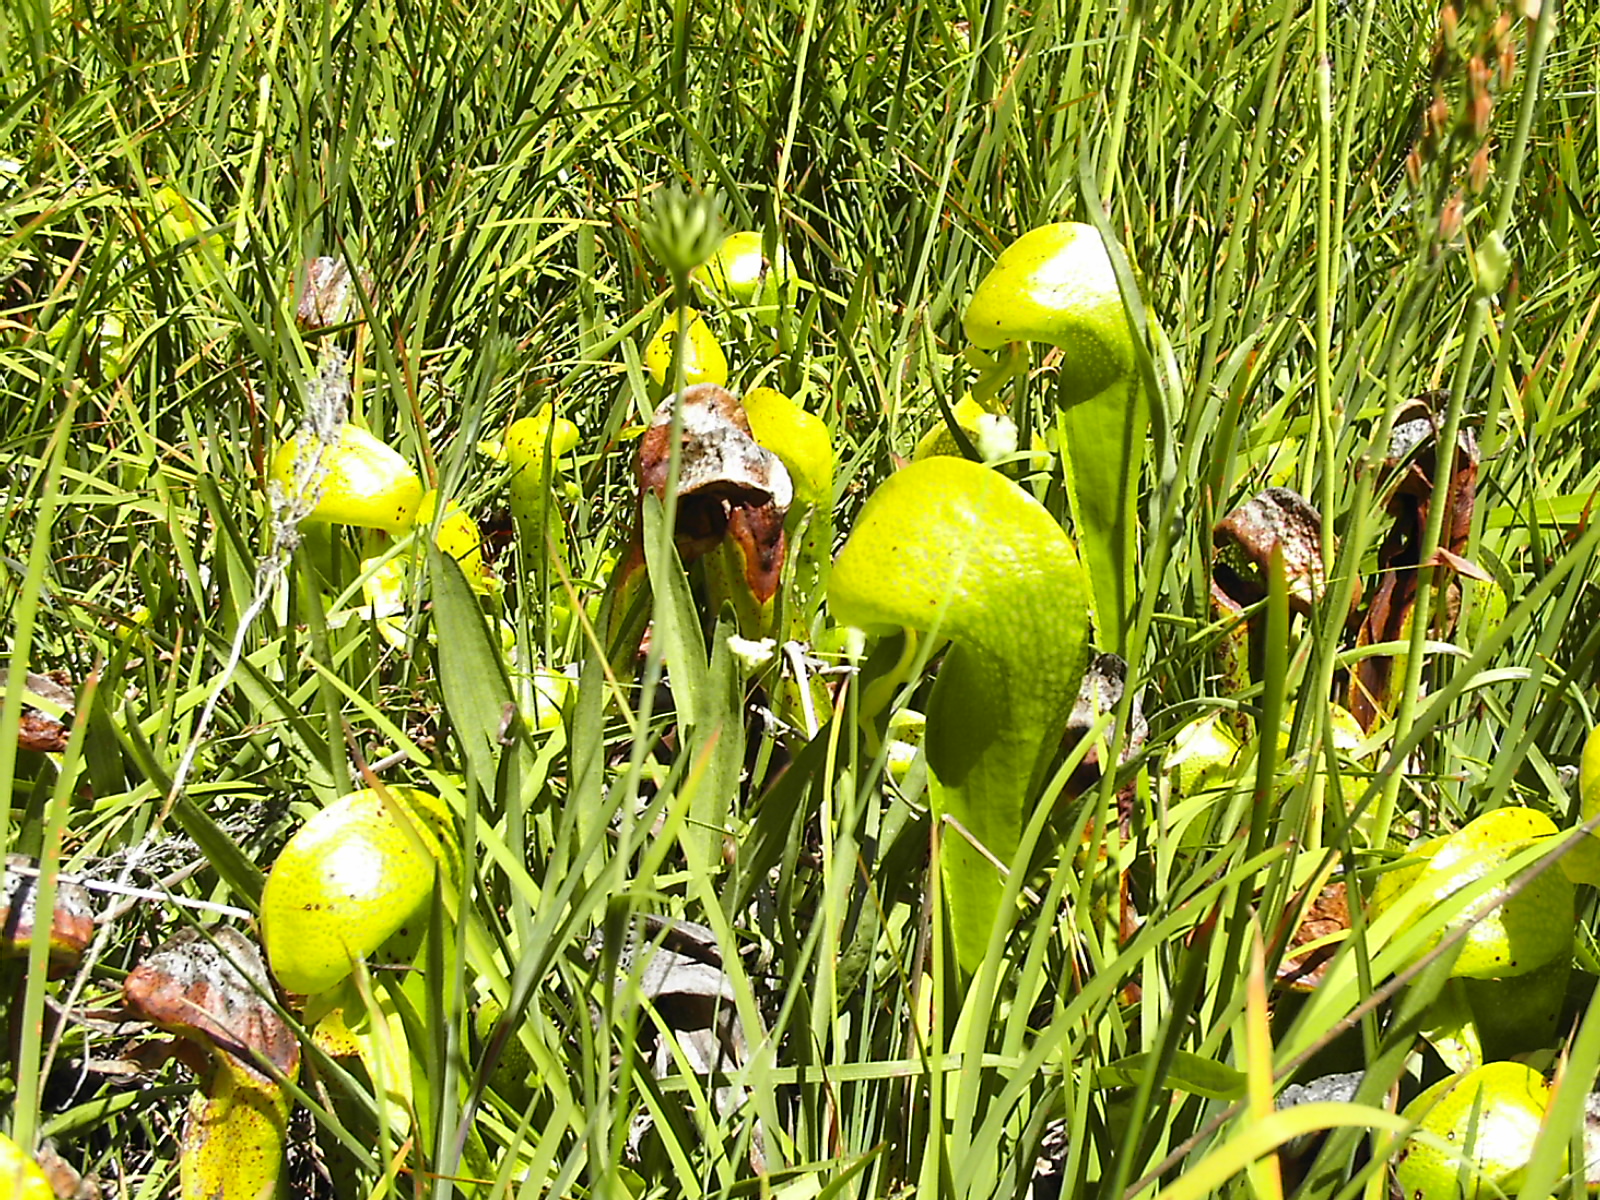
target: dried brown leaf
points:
(1098, 695)
(71, 922)
(758, 533)
(679, 969)
(721, 471)
(1407, 489)
(327, 294)
(41, 733)
(1461, 566)
(54, 688)
(64, 1179)
(212, 989)
(1327, 915)
(1276, 519)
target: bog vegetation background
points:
(1309, 256)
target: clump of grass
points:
(1316, 241)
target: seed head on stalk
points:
(682, 230)
(1473, 62)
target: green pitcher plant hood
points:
(954, 548)
(1483, 1125)
(194, 234)
(800, 439)
(364, 481)
(993, 434)
(703, 359)
(354, 882)
(1523, 931)
(804, 445)
(534, 447)
(1056, 285)
(525, 443)
(741, 272)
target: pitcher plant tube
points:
(955, 549)
(534, 449)
(1056, 285)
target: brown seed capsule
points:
(1450, 217)
(1448, 21)
(1414, 167)
(1478, 172)
(1439, 113)
(1482, 110)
